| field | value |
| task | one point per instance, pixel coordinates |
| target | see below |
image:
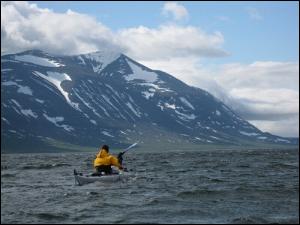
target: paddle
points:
(120, 155)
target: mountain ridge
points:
(80, 99)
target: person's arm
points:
(98, 154)
(115, 162)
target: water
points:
(249, 186)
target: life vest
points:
(103, 158)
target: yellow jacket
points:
(103, 158)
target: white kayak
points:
(81, 179)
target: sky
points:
(245, 53)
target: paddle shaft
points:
(122, 153)
(130, 147)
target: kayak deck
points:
(81, 179)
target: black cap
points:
(105, 147)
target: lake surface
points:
(224, 186)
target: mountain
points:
(107, 97)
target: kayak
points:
(81, 179)
(116, 175)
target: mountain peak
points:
(99, 59)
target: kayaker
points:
(104, 161)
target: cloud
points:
(267, 104)
(264, 92)
(25, 26)
(262, 74)
(170, 41)
(286, 128)
(253, 13)
(177, 11)
(189, 70)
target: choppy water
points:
(249, 186)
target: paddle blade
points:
(131, 146)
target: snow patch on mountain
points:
(81, 60)
(38, 60)
(39, 100)
(186, 102)
(21, 89)
(56, 120)
(262, 138)
(16, 103)
(214, 137)
(133, 110)
(249, 134)
(199, 139)
(147, 94)
(139, 73)
(282, 140)
(28, 113)
(160, 105)
(93, 121)
(56, 79)
(5, 70)
(101, 59)
(107, 134)
(171, 106)
(25, 112)
(184, 116)
(109, 102)
(155, 87)
(87, 104)
(5, 120)
(24, 90)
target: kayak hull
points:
(86, 179)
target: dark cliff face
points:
(108, 97)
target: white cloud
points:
(267, 104)
(286, 128)
(170, 41)
(189, 70)
(266, 93)
(177, 11)
(25, 26)
(265, 74)
(253, 13)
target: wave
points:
(249, 220)
(185, 193)
(4, 167)
(284, 166)
(201, 192)
(270, 191)
(7, 175)
(44, 166)
(217, 180)
(265, 220)
(243, 166)
(51, 216)
(161, 201)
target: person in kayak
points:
(104, 161)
